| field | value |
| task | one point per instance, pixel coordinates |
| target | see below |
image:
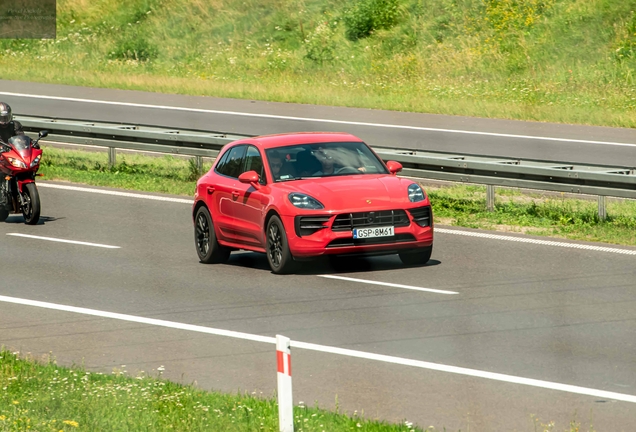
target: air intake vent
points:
(308, 225)
(421, 216)
(349, 221)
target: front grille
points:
(349, 221)
(308, 225)
(349, 241)
(421, 215)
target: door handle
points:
(210, 190)
(235, 194)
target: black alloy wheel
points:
(279, 256)
(208, 248)
(30, 204)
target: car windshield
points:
(323, 160)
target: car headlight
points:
(303, 201)
(17, 163)
(35, 161)
(416, 193)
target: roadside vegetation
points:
(547, 60)
(42, 396)
(533, 213)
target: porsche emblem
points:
(368, 201)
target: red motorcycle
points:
(19, 163)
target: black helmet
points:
(5, 114)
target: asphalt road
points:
(527, 310)
(531, 140)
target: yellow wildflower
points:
(71, 423)
(15, 403)
(3, 418)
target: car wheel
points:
(417, 256)
(279, 256)
(208, 248)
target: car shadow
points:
(19, 219)
(328, 265)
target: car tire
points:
(277, 250)
(417, 257)
(208, 248)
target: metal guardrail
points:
(602, 181)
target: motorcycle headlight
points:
(416, 193)
(305, 201)
(35, 161)
(17, 163)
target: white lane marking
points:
(468, 372)
(308, 119)
(332, 350)
(441, 230)
(137, 319)
(63, 240)
(115, 193)
(370, 282)
(536, 241)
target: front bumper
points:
(329, 242)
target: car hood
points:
(348, 193)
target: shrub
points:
(367, 16)
(320, 45)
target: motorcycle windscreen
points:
(22, 144)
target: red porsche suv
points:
(303, 195)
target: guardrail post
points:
(602, 207)
(285, 400)
(490, 198)
(199, 162)
(112, 157)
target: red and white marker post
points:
(285, 400)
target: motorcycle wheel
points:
(31, 207)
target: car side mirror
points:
(43, 133)
(394, 167)
(249, 177)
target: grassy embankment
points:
(41, 396)
(548, 60)
(460, 205)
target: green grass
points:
(166, 174)
(546, 60)
(536, 214)
(459, 205)
(42, 396)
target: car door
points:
(225, 192)
(249, 207)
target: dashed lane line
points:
(437, 230)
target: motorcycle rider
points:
(8, 127)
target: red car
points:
(303, 195)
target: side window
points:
(221, 161)
(254, 162)
(232, 162)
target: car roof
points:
(286, 139)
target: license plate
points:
(360, 233)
